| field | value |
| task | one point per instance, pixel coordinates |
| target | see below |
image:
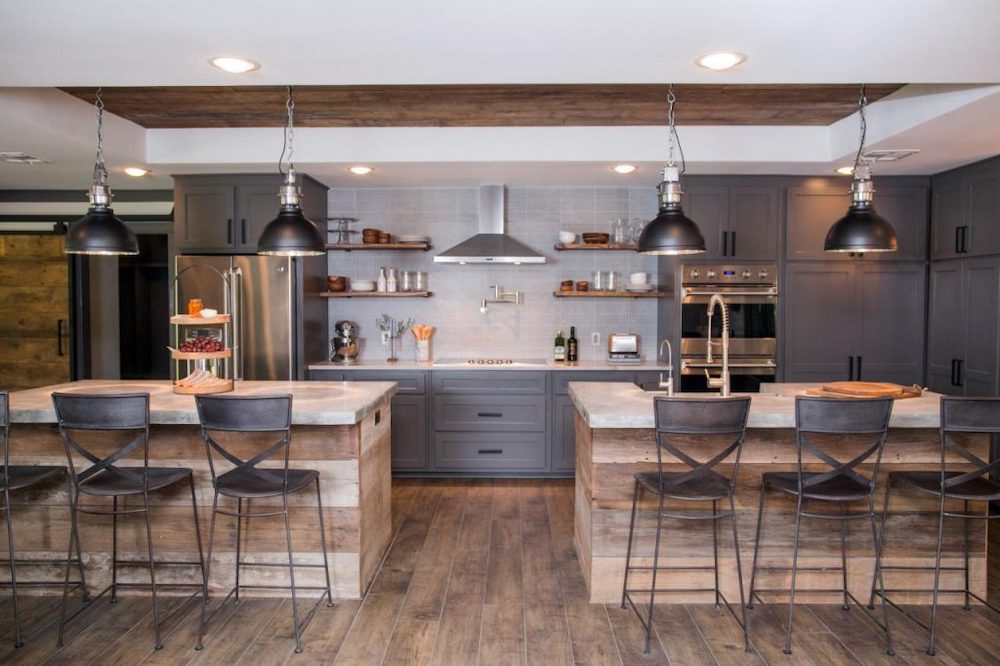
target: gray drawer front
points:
(326, 375)
(501, 412)
(491, 381)
(409, 382)
(561, 379)
(489, 451)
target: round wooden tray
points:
(224, 386)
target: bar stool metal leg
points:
(756, 547)
(152, 571)
(208, 572)
(291, 577)
(656, 562)
(937, 577)
(843, 551)
(13, 573)
(965, 552)
(739, 574)
(631, 530)
(74, 498)
(239, 541)
(881, 538)
(715, 548)
(322, 544)
(795, 567)
(881, 580)
(114, 549)
(197, 531)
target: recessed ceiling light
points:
(135, 172)
(361, 170)
(234, 65)
(624, 168)
(721, 61)
(845, 170)
(14, 157)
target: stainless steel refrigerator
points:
(279, 318)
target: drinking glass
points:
(597, 282)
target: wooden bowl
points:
(596, 238)
(583, 285)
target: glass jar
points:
(598, 281)
(420, 283)
(409, 281)
(620, 232)
(613, 281)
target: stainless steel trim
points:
(728, 291)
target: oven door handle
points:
(770, 291)
(704, 364)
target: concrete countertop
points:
(313, 403)
(623, 405)
(542, 365)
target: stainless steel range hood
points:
(491, 245)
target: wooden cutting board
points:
(866, 390)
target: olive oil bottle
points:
(571, 346)
(559, 354)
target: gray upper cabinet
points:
(854, 320)
(811, 211)
(227, 213)
(966, 212)
(738, 222)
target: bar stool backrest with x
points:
(973, 416)
(688, 427)
(128, 414)
(822, 424)
(265, 415)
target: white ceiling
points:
(945, 44)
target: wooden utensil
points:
(849, 390)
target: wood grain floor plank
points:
(231, 641)
(179, 649)
(367, 639)
(276, 641)
(865, 641)
(326, 633)
(682, 643)
(545, 633)
(122, 649)
(112, 621)
(36, 612)
(631, 638)
(768, 636)
(722, 634)
(502, 634)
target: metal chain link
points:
(671, 100)
(290, 106)
(863, 129)
(100, 171)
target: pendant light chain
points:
(100, 171)
(863, 130)
(288, 136)
(675, 141)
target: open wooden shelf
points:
(563, 247)
(376, 294)
(198, 356)
(195, 320)
(609, 294)
(349, 247)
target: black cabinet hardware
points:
(965, 238)
(958, 372)
(491, 451)
(732, 243)
(490, 415)
(229, 230)
(60, 324)
(243, 231)
(850, 368)
(724, 243)
(857, 375)
(954, 367)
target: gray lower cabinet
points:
(563, 410)
(489, 451)
(854, 320)
(964, 319)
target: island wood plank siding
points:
(354, 466)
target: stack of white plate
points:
(640, 287)
(412, 239)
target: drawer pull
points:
(494, 451)
(491, 415)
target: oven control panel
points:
(712, 274)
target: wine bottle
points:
(571, 345)
(560, 347)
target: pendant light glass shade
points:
(862, 229)
(671, 231)
(100, 231)
(291, 234)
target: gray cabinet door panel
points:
(494, 412)
(326, 376)
(256, 206)
(906, 210)
(409, 432)
(984, 214)
(491, 381)
(753, 223)
(563, 434)
(819, 321)
(709, 208)
(489, 451)
(561, 380)
(982, 319)
(408, 382)
(204, 217)
(945, 331)
(891, 322)
(810, 214)
(949, 202)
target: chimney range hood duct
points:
(491, 245)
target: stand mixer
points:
(344, 345)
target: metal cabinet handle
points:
(724, 244)
(229, 230)
(850, 367)
(60, 323)
(954, 364)
(732, 243)
(965, 239)
(958, 372)
(243, 231)
(491, 451)
(490, 415)
(858, 375)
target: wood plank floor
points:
(483, 572)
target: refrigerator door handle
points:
(236, 299)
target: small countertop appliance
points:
(623, 348)
(344, 345)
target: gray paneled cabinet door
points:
(820, 313)
(409, 432)
(753, 223)
(563, 434)
(977, 373)
(256, 205)
(203, 216)
(906, 209)
(890, 322)
(984, 213)
(948, 215)
(945, 334)
(709, 208)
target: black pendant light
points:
(862, 229)
(291, 234)
(671, 231)
(99, 231)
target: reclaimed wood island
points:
(614, 436)
(341, 429)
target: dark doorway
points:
(144, 307)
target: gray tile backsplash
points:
(534, 216)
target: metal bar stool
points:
(816, 419)
(119, 423)
(263, 415)
(686, 427)
(20, 477)
(959, 416)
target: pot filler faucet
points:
(668, 383)
(721, 382)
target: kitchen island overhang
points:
(341, 429)
(614, 436)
